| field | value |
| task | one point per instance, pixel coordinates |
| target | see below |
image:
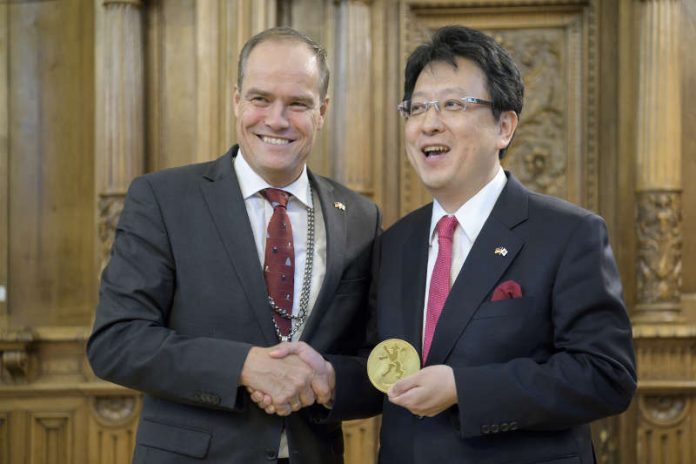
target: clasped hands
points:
(287, 377)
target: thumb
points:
(282, 350)
(402, 386)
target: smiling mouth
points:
(274, 140)
(435, 150)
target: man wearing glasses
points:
(511, 298)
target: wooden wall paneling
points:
(4, 158)
(4, 438)
(113, 422)
(688, 89)
(191, 53)
(353, 121)
(554, 150)
(50, 161)
(50, 438)
(361, 440)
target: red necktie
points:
(279, 262)
(440, 279)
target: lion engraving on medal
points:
(393, 354)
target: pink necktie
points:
(440, 279)
(279, 262)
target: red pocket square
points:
(506, 291)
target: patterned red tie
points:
(440, 279)
(279, 262)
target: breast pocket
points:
(514, 307)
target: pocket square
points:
(506, 291)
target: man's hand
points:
(323, 380)
(286, 382)
(428, 392)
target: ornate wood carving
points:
(14, 358)
(50, 438)
(664, 429)
(361, 440)
(659, 255)
(110, 208)
(114, 411)
(4, 439)
(555, 148)
(539, 155)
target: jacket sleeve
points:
(590, 373)
(355, 397)
(131, 344)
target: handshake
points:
(285, 378)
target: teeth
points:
(274, 140)
(435, 149)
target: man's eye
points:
(417, 108)
(299, 106)
(259, 100)
(454, 105)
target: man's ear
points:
(236, 99)
(507, 123)
(322, 111)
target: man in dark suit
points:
(213, 264)
(512, 298)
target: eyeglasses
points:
(412, 108)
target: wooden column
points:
(659, 163)
(353, 115)
(665, 341)
(120, 126)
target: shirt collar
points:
(250, 183)
(474, 213)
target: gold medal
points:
(390, 361)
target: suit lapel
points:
(335, 224)
(482, 269)
(413, 275)
(228, 212)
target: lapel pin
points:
(339, 205)
(502, 251)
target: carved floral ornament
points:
(114, 410)
(110, 208)
(659, 247)
(663, 410)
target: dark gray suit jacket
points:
(183, 299)
(531, 372)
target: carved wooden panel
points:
(192, 47)
(361, 440)
(553, 44)
(112, 428)
(50, 65)
(4, 161)
(665, 429)
(4, 439)
(50, 438)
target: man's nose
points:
(432, 119)
(276, 116)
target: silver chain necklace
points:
(299, 320)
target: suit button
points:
(485, 429)
(513, 425)
(504, 427)
(495, 428)
(271, 455)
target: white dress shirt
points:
(471, 216)
(260, 211)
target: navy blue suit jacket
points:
(531, 372)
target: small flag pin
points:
(339, 205)
(502, 251)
